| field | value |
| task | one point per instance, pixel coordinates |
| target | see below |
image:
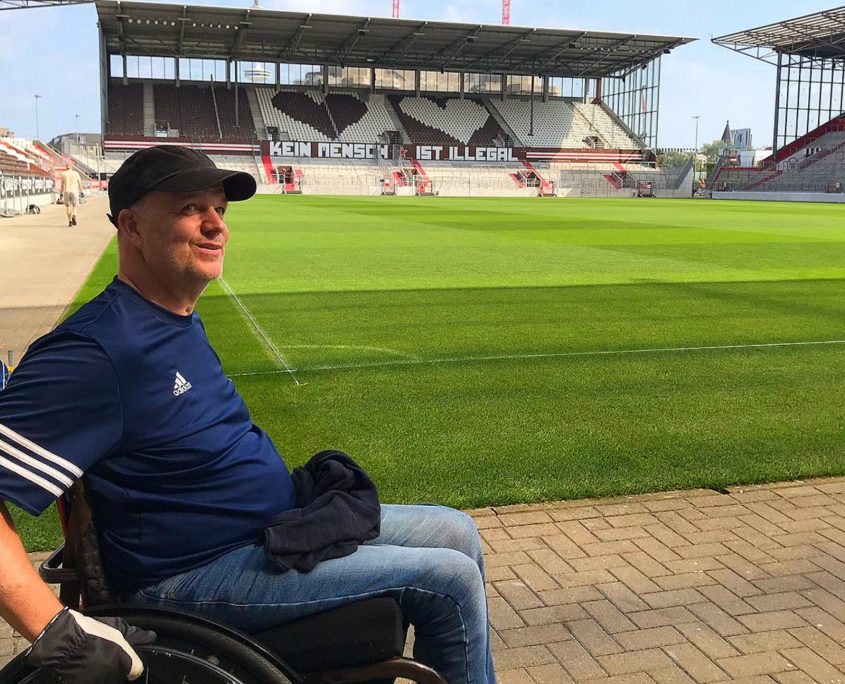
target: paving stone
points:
(515, 676)
(685, 580)
(741, 566)
(824, 622)
(556, 597)
(593, 563)
(592, 637)
(698, 665)
(794, 677)
(788, 600)
(638, 678)
(736, 583)
(671, 675)
(608, 616)
(635, 661)
(515, 558)
(760, 642)
(502, 616)
(549, 561)
(700, 550)
(688, 565)
(722, 623)
(579, 513)
(512, 520)
(776, 619)
(498, 573)
(537, 579)
(545, 530)
(635, 580)
(726, 600)
(518, 594)
(577, 533)
(523, 656)
(655, 637)
(662, 616)
(534, 635)
(655, 548)
(511, 545)
(679, 597)
(549, 674)
(622, 597)
(576, 660)
(611, 547)
(821, 644)
(564, 547)
(545, 616)
(621, 534)
(579, 579)
(646, 562)
(665, 535)
(707, 640)
(820, 670)
(776, 585)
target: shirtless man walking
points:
(71, 189)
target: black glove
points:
(77, 649)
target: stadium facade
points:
(320, 103)
(326, 103)
(808, 141)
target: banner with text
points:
(363, 151)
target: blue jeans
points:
(428, 558)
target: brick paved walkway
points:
(747, 586)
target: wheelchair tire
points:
(188, 650)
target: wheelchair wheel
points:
(188, 650)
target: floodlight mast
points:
(395, 9)
(506, 12)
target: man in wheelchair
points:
(129, 392)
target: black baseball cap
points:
(172, 168)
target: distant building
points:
(741, 138)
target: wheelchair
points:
(358, 642)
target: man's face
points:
(182, 236)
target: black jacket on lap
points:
(337, 508)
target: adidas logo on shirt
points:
(181, 385)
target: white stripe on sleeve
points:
(32, 477)
(9, 450)
(41, 451)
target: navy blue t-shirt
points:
(134, 396)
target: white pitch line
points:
(356, 347)
(553, 355)
(260, 331)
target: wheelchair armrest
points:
(52, 572)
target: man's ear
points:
(127, 224)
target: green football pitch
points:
(489, 351)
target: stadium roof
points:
(260, 35)
(29, 4)
(820, 35)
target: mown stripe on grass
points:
(550, 355)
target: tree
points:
(712, 150)
(674, 158)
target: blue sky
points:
(53, 52)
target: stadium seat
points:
(447, 121)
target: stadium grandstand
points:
(28, 173)
(338, 104)
(808, 145)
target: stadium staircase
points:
(515, 141)
(149, 120)
(255, 112)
